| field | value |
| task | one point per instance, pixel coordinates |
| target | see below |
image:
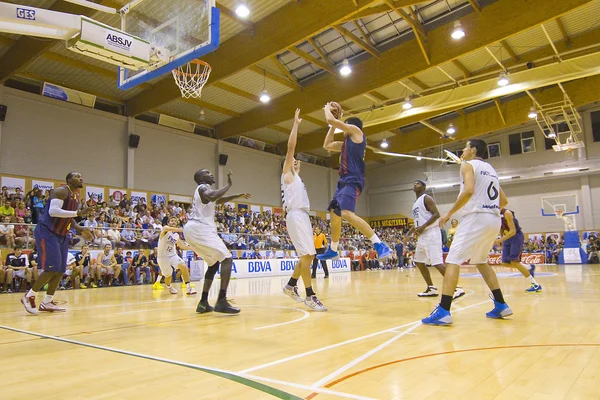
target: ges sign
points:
(23, 13)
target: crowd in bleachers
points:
(134, 225)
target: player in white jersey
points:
(296, 206)
(201, 234)
(481, 199)
(429, 243)
(167, 256)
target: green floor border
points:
(280, 394)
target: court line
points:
(306, 315)
(377, 349)
(332, 346)
(364, 356)
(244, 379)
(520, 346)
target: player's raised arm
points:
(210, 195)
(291, 147)
(330, 144)
(348, 129)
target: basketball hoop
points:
(559, 213)
(191, 78)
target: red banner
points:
(526, 258)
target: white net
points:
(191, 78)
(569, 220)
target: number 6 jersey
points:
(486, 196)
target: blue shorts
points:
(344, 198)
(53, 249)
(512, 248)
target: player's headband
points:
(421, 182)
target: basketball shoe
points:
(500, 310)
(172, 290)
(29, 304)
(438, 316)
(458, 292)
(534, 288)
(224, 307)
(329, 255)
(383, 251)
(314, 303)
(431, 291)
(51, 307)
(293, 293)
(204, 307)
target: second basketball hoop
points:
(191, 78)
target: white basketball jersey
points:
(203, 213)
(486, 196)
(420, 213)
(294, 196)
(167, 243)
(106, 259)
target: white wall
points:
(48, 138)
(391, 185)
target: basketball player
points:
(429, 244)
(52, 243)
(350, 185)
(512, 240)
(201, 233)
(481, 199)
(296, 206)
(168, 259)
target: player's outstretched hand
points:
(85, 211)
(297, 119)
(245, 195)
(88, 234)
(229, 177)
(444, 220)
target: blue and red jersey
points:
(352, 162)
(60, 226)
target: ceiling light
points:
(384, 144)
(567, 169)
(264, 97)
(345, 69)
(532, 113)
(458, 32)
(503, 80)
(451, 129)
(202, 117)
(419, 157)
(503, 178)
(551, 135)
(407, 105)
(242, 10)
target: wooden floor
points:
(135, 343)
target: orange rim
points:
(199, 62)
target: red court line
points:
(346, 377)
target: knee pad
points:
(211, 272)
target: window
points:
(523, 142)
(596, 125)
(494, 150)
(549, 143)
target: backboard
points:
(178, 30)
(563, 207)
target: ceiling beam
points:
(359, 42)
(237, 92)
(27, 49)
(510, 51)
(283, 69)
(404, 60)
(362, 31)
(319, 51)
(323, 64)
(235, 18)
(417, 27)
(488, 120)
(563, 31)
(378, 95)
(498, 107)
(275, 78)
(279, 129)
(212, 107)
(315, 121)
(379, 9)
(272, 35)
(475, 4)
(418, 82)
(463, 69)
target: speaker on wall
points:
(134, 141)
(3, 110)
(223, 159)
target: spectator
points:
(140, 265)
(6, 210)
(16, 266)
(7, 232)
(88, 266)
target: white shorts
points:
(429, 247)
(301, 233)
(206, 243)
(474, 238)
(19, 273)
(168, 263)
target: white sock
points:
(334, 246)
(532, 280)
(375, 239)
(48, 299)
(188, 285)
(158, 278)
(31, 293)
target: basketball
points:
(336, 109)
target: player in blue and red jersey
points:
(52, 243)
(512, 240)
(350, 185)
